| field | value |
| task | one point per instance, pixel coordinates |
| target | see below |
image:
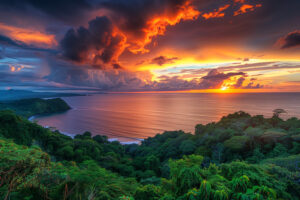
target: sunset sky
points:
(150, 45)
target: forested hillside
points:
(35, 106)
(239, 157)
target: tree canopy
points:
(239, 157)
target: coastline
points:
(72, 135)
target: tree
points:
(21, 169)
(217, 153)
(148, 192)
(187, 147)
(152, 163)
(236, 143)
(277, 112)
(256, 157)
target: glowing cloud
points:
(16, 68)
(217, 13)
(27, 36)
(158, 25)
(246, 8)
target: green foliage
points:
(30, 107)
(292, 163)
(28, 173)
(239, 157)
(272, 135)
(148, 192)
(236, 143)
(187, 147)
(240, 184)
(253, 131)
(256, 157)
(278, 151)
(20, 170)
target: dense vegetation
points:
(240, 157)
(36, 106)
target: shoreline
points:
(138, 140)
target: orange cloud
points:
(239, 1)
(16, 68)
(246, 8)
(217, 13)
(158, 25)
(12, 69)
(28, 36)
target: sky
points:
(150, 45)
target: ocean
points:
(131, 117)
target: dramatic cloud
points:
(127, 45)
(291, 40)
(98, 44)
(143, 20)
(106, 37)
(161, 60)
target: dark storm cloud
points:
(291, 40)
(128, 24)
(161, 60)
(64, 72)
(97, 39)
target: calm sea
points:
(128, 117)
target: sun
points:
(224, 88)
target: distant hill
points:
(36, 106)
(10, 95)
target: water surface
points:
(129, 116)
